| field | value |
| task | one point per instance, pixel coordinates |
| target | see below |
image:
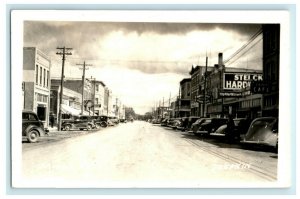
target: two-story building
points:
(36, 82)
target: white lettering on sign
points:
(236, 81)
(237, 84)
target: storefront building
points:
(36, 82)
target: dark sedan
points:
(82, 122)
(32, 127)
(210, 125)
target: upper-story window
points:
(97, 87)
(41, 75)
(36, 74)
(47, 79)
(44, 83)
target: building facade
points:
(108, 102)
(36, 82)
(271, 48)
(76, 85)
(232, 97)
(71, 101)
(98, 94)
(183, 103)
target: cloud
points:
(148, 47)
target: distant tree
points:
(129, 113)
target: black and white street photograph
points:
(150, 99)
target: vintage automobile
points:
(263, 131)
(241, 126)
(32, 127)
(191, 121)
(164, 122)
(176, 122)
(113, 121)
(209, 125)
(100, 121)
(195, 126)
(81, 122)
(183, 125)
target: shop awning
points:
(69, 110)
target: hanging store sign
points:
(238, 81)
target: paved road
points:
(140, 154)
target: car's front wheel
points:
(67, 127)
(103, 124)
(33, 136)
(89, 127)
(97, 126)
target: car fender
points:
(31, 127)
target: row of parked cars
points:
(262, 131)
(33, 128)
(88, 122)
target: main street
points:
(141, 154)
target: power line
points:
(244, 52)
(245, 45)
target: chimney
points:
(220, 62)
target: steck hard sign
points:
(238, 81)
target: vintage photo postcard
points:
(150, 99)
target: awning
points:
(69, 110)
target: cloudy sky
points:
(142, 63)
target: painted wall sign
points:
(238, 81)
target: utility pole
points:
(204, 100)
(63, 53)
(116, 113)
(83, 81)
(107, 102)
(169, 108)
(94, 96)
(163, 108)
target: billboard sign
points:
(239, 80)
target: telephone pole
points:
(204, 100)
(83, 80)
(94, 95)
(63, 53)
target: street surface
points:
(141, 154)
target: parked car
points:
(114, 120)
(123, 120)
(32, 127)
(176, 122)
(241, 126)
(195, 126)
(81, 122)
(183, 124)
(164, 122)
(210, 125)
(191, 121)
(170, 122)
(263, 131)
(100, 121)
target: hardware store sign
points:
(238, 81)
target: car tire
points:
(32, 136)
(103, 124)
(97, 126)
(89, 127)
(67, 127)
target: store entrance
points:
(41, 112)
